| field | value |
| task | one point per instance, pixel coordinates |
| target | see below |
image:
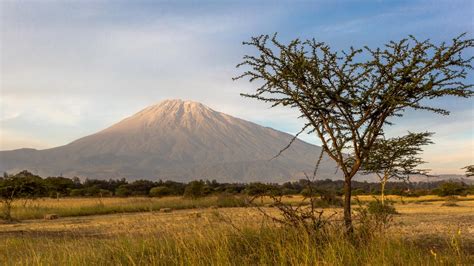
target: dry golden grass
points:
(65, 207)
(424, 218)
(230, 236)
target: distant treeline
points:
(74, 187)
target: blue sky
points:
(71, 68)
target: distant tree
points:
(123, 191)
(347, 99)
(396, 158)
(469, 170)
(176, 187)
(58, 186)
(14, 187)
(77, 192)
(195, 189)
(451, 189)
(257, 189)
(160, 191)
(140, 187)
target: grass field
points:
(67, 207)
(424, 233)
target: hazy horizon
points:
(70, 69)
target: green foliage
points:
(376, 207)
(196, 189)
(451, 188)
(469, 170)
(397, 157)
(123, 191)
(140, 187)
(77, 192)
(58, 186)
(374, 218)
(331, 199)
(21, 185)
(256, 189)
(308, 192)
(260, 189)
(105, 193)
(160, 191)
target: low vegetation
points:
(240, 236)
(25, 196)
(210, 223)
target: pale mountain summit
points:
(179, 140)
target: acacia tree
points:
(469, 170)
(396, 158)
(14, 187)
(347, 98)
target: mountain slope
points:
(175, 139)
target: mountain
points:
(176, 140)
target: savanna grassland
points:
(208, 231)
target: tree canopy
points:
(397, 157)
(469, 170)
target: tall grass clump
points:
(265, 245)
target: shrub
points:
(229, 200)
(195, 189)
(451, 201)
(105, 193)
(374, 218)
(451, 189)
(257, 189)
(77, 192)
(308, 193)
(122, 191)
(331, 198)
(376, 207)
(160, 191)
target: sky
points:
(71, 68)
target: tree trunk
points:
(383, 191)
(7, 210)
(347, 206)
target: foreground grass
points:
(423, 234)
(266, 245)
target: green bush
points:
(196, 189)
(76, 192)
(377, 207)
(105, 193)
(331, 198)
(160, 191)
(451, 189)
(122, 191)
